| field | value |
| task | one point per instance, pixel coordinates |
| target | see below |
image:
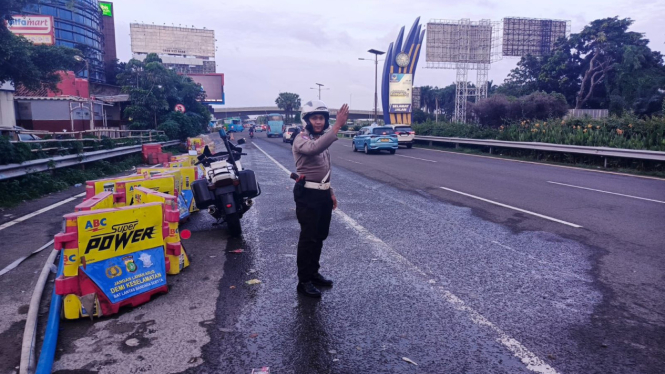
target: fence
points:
(549, 147)
(44, 164)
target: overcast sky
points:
(267, 46)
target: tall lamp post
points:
(376, 54)
(320, 85)
(87, 69)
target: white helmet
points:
(314, 107)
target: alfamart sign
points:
(37, 29)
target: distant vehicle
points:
(233, 124)
(275, 125)
(27, 137)
(288, 134)
(405, 135)
(374, 139)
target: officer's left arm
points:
(334, 198)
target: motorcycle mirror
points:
(206, 151)
(222, 133)
(241, 141)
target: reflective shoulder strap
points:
(326, 177)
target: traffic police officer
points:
(315, 199)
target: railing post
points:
(605, 162)
(490, 150)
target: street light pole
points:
(376, 54)
(92, 111)
(319, 88)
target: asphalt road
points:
(451, 282)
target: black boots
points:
(308, 289)
(321, 281)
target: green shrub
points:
(171, 129)
(22, 152)
(626, 131)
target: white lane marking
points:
(16, 263)
(273, 160)
(416, 158)
(40, 211)
(344, 145)
(607, 192)
(528, 358)
(355, 162)
(512, 207)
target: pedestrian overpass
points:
(221, 113)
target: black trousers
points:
(314, 212)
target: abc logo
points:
(95, 224)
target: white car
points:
(405, 135)
(288, 134)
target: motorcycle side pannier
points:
(202, 195)
(249, 187)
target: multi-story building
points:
(185, 50)
(78, 24)
(108, 31)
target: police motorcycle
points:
(227, 189)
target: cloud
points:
(267, 46)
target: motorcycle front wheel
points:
(233, 222)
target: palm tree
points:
(288, 101)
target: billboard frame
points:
(221, 101)
(531, 36)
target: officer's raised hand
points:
(342, 116)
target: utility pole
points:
(320, 85)
(376, 54)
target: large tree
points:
(154, 91)
(603, 66)
(288, 102)
(32, 66)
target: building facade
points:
(185, 50)
(7, 115)
(108, 32)
(78, 24)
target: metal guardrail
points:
(549, 147)
(17, 170)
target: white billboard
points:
(37, 29)
(459, 42)
(400, 89)
(167, 40)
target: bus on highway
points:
(233, 124)
(275, 125)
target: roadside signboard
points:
(37, 29)
(400, 87)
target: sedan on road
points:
(288, 134)
(405, 135)
(374, 139)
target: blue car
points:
(374, 139)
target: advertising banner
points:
(400, 91)
(122, 277)
(111, 234)
(107, 8)
(37, 29)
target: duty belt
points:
(319, 186)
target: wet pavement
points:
(415, 276)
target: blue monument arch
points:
(399, 70)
